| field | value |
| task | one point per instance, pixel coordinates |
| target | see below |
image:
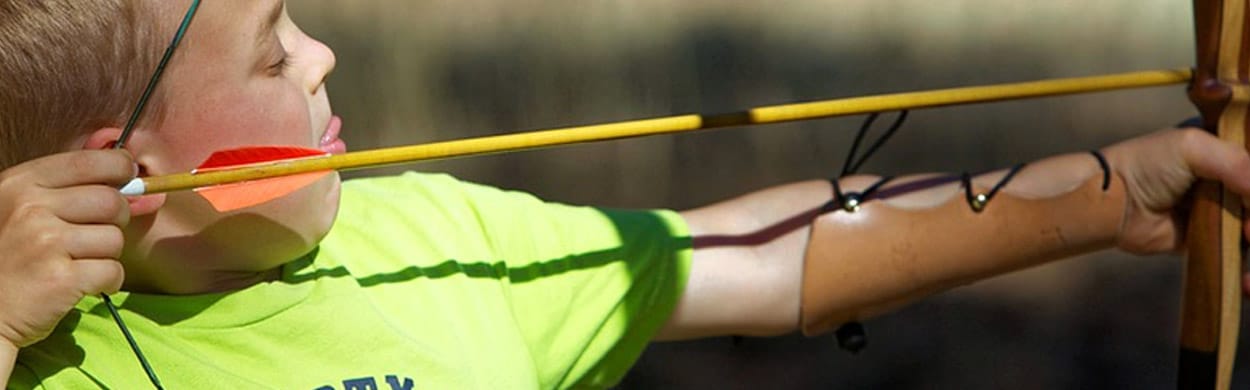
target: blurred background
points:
(421, 71)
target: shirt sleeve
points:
(588, 287)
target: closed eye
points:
(280, 66)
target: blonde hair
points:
(68, 67)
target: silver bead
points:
(851, 205)
(979, 202)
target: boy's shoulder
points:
(423, 197)
(430, 219)
(424, 218)
(439, 207)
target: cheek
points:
(277, 115)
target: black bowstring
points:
(143, 361)
(156, 76)
(121, 143)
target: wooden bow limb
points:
(646, 127)
(1211, 306)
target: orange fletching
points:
(234, 196)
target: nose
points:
(322, 62)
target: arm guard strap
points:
(867, 258)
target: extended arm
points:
(748, 272)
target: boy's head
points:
(244, 75)
(68, 66)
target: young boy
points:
(423, 280)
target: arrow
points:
(268, 162)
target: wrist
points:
(8, 348)
(8, 359)
(8, 353)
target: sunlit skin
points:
(245, 75)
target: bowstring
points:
(121, 143)
(156, 76)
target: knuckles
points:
(1194, 139)
(48, 240)
(50, 276)
(29, 214)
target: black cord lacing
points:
(1106, 169)
(979, 201)
(851, 336)
(849, 168)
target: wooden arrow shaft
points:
(669, 125)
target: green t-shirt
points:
(423, 282)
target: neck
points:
(199, 283)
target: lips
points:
(330, 142)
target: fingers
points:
(95, 276)
(95, 204)
(94, 242)
(108, 167)
(48, 238)
(61, 220)
(1211, 158)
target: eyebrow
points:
(266, 27)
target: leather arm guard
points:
(863, 259)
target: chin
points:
(312, 212)
(330, 209)
(284, 230)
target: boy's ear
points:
(105, 138)
(102, 138)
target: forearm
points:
(893, 251)
(745, 276)
(748, 278)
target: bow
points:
(1211, 305)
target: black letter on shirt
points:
(360, 384)
(393, 380)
